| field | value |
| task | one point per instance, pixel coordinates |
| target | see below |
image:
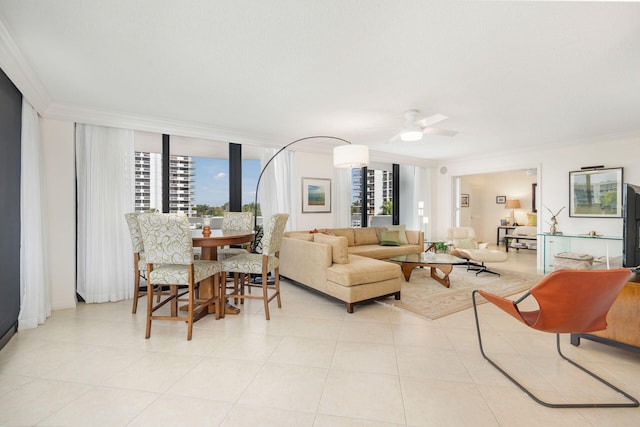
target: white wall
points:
(313, 165)
(58, 146)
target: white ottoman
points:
(477, 257)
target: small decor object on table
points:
(442, 247)
(206, 225)
(554, 221)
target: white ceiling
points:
(509, 75)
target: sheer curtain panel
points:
(342, 197)
(35, 285)
(105, 188)
(277, 188)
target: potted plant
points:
(442, 247)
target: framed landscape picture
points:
(316, 195)
(501, 200)
(596, 193)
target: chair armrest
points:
(483, 245)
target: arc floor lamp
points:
(344, 156)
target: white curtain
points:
(105, 188)
(277, 188)
(342, 197)
(35, 284)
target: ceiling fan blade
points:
(431, 120)
(437, 131)
(395, 138)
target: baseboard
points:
(8, 335)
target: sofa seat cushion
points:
(362, 270)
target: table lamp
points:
(512, 204)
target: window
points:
(377, 194)
(198, 175)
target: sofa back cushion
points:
(345, 232)
(339, 247)
(301, 236)
(366, 236)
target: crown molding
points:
(65, 112)
(551, 146)
(16, 67)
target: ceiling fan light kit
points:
(414, 129)
(411, 134)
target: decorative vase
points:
(206, 231)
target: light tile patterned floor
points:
(312, 364)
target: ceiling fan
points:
(414, 129)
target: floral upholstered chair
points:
(235, 221)
(170, 262)
(139, 261)
(250, 263)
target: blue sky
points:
(212, 181)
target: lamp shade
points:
(350, 156)
(512, 204)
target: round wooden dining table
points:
(209, 247)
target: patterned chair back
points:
(273, 233)
(237, 221)
(167, 238)
(134, 230)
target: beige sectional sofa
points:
(346, 263)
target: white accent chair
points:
(263, 263)
(464, 245)
(170, 262)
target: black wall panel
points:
(10, 126)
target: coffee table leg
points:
(445, 269)
(407, 268)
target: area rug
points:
(424, 296)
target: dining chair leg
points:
(236, 277)
(149, 309)
(136, 291)
(244, 277)
(276, 272)
(219, 289)
(190, 312)
(174, 300)
(265, 295)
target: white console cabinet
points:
(603, 249)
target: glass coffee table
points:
(437, 262)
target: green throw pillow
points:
(402, 235)
(389, 238)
